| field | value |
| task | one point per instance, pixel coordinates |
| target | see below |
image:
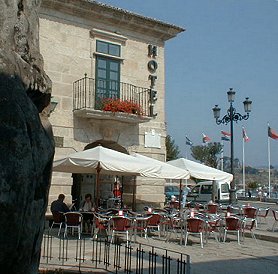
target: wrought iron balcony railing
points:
(89, 93)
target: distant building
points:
(93, 52)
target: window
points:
(206, 189)
(195, 189)
(107, 72)
(108, 48)
(225, 188)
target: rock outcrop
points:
(26, 140)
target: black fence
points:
(89, 93)
(88, 255)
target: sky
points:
(227, 44)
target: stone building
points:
(93, 52)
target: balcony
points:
(90, 99)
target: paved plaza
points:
(250, 256)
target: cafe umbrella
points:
(100, 160)
(167, 171)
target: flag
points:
(188, 141)
(272, 134)
(206, 139)
(244, 135)
(225, 138)
(225, 133)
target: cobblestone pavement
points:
(229, 257)
(250, 257)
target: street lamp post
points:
(230, 117)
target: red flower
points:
(117, 105)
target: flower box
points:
(118, 105)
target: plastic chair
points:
(212, 208)
(250, 214)
(173, 224)
(250, 226)
(120, 225)
(140, 225)
(154, 222)
(232, 224)
(101, 225)
(262, 214)
(73, 220)
(214, 227)
(58, 219)
(195, 226)
(275, 215)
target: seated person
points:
(87, 206)
(59, 205)
(174, 203)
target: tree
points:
(207, 154)
(227, 163)
(172, 150)
(252, 185)
(251, 170)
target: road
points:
(259, 204)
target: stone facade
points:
(69, 31)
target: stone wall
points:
(68, 46)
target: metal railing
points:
(89, 93)
(86, 254)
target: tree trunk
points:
(26, 141)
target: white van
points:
(202, 192)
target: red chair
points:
(73, 220)
(195, 226)
(250, 227)
(212, 208)
(232, 224)
(250, 214)
(101, 226)
(275, 215)
(58, 219)
(141, 226)
(173, 225)
(154, 222)
(120, 225)
(214, 227)
(262, 214)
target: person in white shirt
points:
(87, 206)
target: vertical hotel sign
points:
(152, 67)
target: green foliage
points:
(251, 170)
(252, 185)
(207, 154)
(227, 163)
(172, 150)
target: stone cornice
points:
(93, 10)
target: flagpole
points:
(222, 156)
(185, 147)
(268, 145)
(243, 164)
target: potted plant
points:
(118, 105)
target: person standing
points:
(184, 196)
